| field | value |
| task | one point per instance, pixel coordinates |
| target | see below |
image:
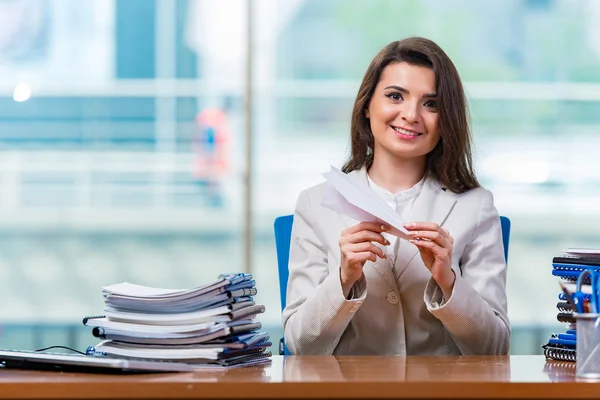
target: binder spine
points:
(564, 307)
(562, 296)
(570, 272)
(244, 359)
(565, 317)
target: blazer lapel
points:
(432, 205)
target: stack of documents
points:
(210, 325)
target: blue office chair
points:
(283, 236)
(505, 224)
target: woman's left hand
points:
(435, 245)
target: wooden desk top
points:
(322, 377)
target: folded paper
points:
(355, 199)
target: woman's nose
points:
(409, 112)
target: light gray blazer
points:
(396, 308)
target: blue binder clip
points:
(91, 351)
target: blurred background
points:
(124, 151)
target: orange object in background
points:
(210, 144)
(211, 162)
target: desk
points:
(322, 377)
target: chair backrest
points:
(283, 235)
(505, 224)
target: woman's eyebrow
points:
(401, 89)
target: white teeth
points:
(405, 132)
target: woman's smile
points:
(405, 134)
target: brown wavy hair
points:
(451, 159)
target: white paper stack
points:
(210, 325)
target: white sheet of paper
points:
(589, 252)
(357, 200)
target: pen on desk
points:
(568, 296)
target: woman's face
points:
(403, 112)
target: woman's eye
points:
(430, 104)
(394, 96)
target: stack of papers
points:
(210, 325)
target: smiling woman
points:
(421, 66)
(404, 122)
(353, 288)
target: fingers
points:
(438, 251)
(367, 246)
(424, 226)
(367, 226)
(348, 250)
(358, 243)
(430, 236)
(365, 232)
(438, 238)
(361, 258)
(364, 236)
(430, 231)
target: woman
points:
(353, 288)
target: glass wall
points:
(106, 173)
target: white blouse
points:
(403, 203)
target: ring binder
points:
(565, 317)
(564, 307)
(559, 353)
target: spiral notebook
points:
(560, 353)
(562, 346)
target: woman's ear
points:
(367, 114)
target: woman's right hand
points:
(356, 247)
